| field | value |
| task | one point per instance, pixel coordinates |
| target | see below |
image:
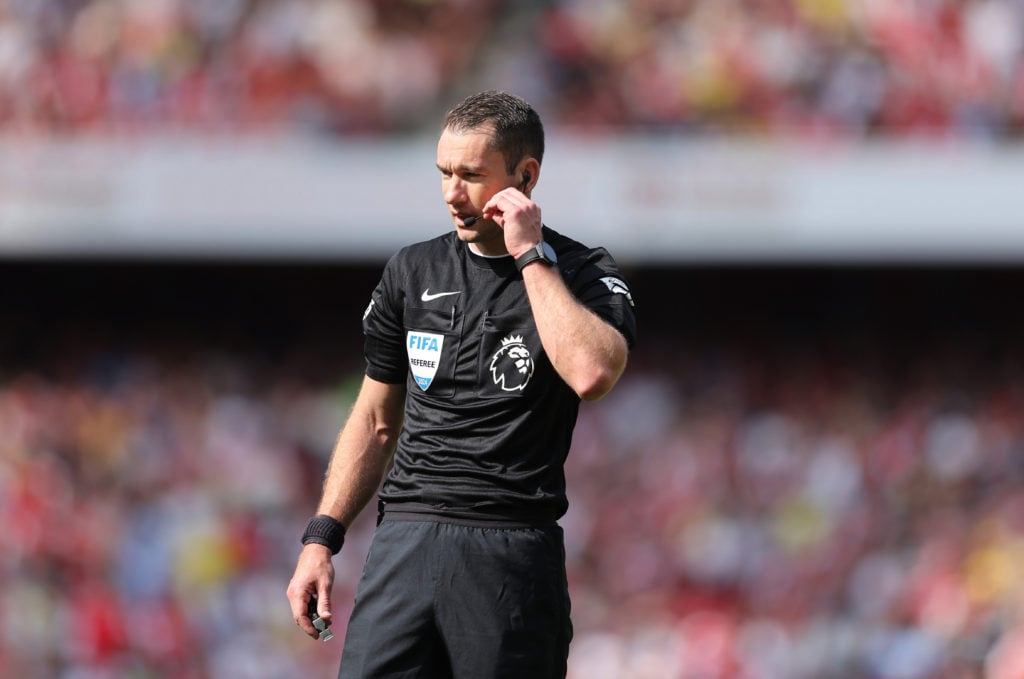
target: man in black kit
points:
(479, 346)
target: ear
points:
(529, 172)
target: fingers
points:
(298, 598)
(323, 604)
(516, 214)
(504, 204)
(313, 578)
(299, 601)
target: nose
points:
(454, 190)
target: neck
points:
(475, 249)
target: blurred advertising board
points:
(648, 199)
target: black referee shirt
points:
(488, 421)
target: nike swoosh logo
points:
(428, 296)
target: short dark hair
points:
(516, 128)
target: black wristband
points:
(325, 530)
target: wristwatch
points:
(542, 252)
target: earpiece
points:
(526, 181)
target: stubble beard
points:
(489, 241)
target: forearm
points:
(353, 476)
(361, 454)
(587, 353)
(357, 465)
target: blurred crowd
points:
(778, 67)
(734, 515)
(788, 515)
(789, 67)
(231, 66)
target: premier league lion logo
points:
(512, 365)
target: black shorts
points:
(443, 600)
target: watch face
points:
(541, 253)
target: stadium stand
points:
(847, 67)
(783, 486)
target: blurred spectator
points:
(763, 515)
(230, 66)
(850, 68)
(786, 67)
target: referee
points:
(479, 346)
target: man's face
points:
(471, 173)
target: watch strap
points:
(532, 255)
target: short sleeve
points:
(600, 286)
(383, 345)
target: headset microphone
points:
(470, 221)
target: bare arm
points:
(357, 465)
(588, 353)
(363, 450)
